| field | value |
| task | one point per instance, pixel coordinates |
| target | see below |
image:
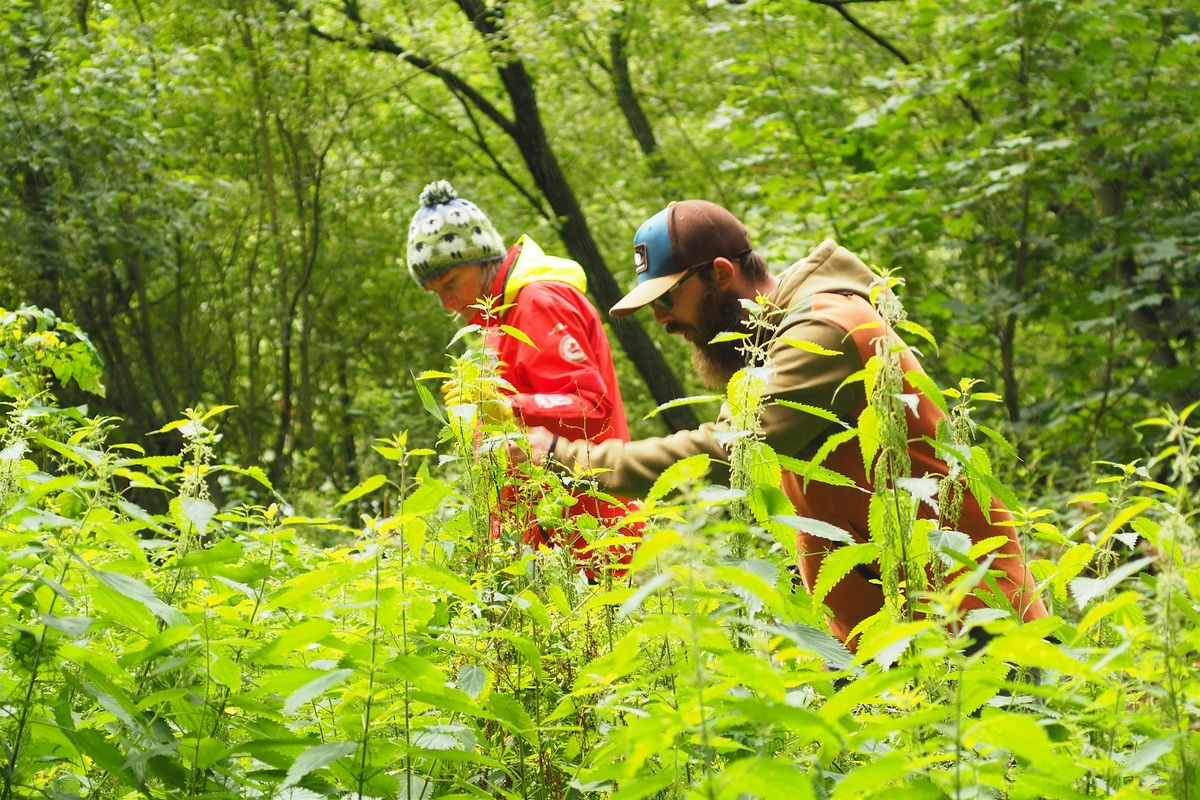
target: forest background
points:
(218, 193)
(292, 589)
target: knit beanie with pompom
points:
(448, 232)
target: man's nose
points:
(661, 315)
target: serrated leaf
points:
(131, 587)
(816, 527)
(920, 381)
(814, 410)
(314, 689)
(908, 326)
(197, 511)
(366, 487)
(729, 336)
(472, 680)
(461, 332)
(635, 600)
(1084, 590)
(519, 335)
(810, 347)
(684, 401)
(317, 757)
(839, 563)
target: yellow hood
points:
(534, 266)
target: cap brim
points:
(645, 293)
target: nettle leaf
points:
(445, 737)
(729, 336)
(814, 472)
(314, 689)
(684, 401)
(1085, 590)
(131, 587)
(809, 347)
(885, 644)
(519, 335)
(908, 326)
(317, 757)
(466, 330)
(635, 600)
(198, 511)
(816, 411)
(682, 472)
(924, 489)
(816, 527)
(512, 715)
(472, 679)
(839, 563)
(75, 627)
(868, 437)
(946, 543)
(366, 487)
(766, 778)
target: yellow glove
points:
(493, 407)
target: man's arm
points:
(630, 468)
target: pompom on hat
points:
(448, 231)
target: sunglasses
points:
(666, 300)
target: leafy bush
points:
(216, 652)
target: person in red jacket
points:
(564, 381)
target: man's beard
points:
(716, 363)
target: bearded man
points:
(695, 265)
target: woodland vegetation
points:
(243, 553)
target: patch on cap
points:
(641, 258)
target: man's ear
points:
(724, 272)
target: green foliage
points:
(216, 652)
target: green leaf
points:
(461, 332)
(75, 627)
(1085, 590)
(810, 347)
(839, 563)
(816, 527)
(314, 689)
(198, 512)
(908, 326)
(816, 411)
(684, 401)
(868, 437)
(512, 715)
(317, 757)
(814, 472)
(519, 335)
(729, 336)
(131, 587)
(921, 381)
(366, 487)
(685, 471)
(472, 680)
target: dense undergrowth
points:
(155, 643)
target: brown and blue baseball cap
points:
(681, 237)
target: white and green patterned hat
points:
(447, 232)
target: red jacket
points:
(566, 382)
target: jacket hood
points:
(830, 268)
(534, 266)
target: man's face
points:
(458, 288)
(699, 312)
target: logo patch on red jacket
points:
(569, 349)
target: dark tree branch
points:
(840, 7)
(379, 43)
